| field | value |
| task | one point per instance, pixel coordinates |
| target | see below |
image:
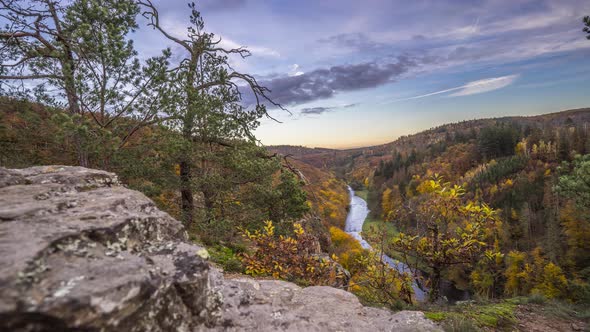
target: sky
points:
(357, 73)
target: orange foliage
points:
(289, 258)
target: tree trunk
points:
(68, 69)
(209, 205)
(436, 269)
(186, 193)
(435, 287)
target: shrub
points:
(553, 283)
(346, 248)
(227, 258)
(579, 291)
(536, 298)
(378, 283)
(288, 258)
(533, 275)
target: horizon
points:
(426, 129)
(363, 74)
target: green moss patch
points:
(226, 258)
(436, 316)
(473, 316)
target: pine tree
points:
(206, 103)
(79, 54)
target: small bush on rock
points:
(289, 258)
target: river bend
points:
(354, 225)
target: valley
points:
(514, 164)
(177, 166)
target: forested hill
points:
(534, 172)
(336, 159)
(297, 151)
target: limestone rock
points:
(273, 305)
(79, 252)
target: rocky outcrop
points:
(79, 252)
(273, 305)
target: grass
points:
(372, 225)
(362, 193)
(473, 317)
(555, 308)
(500, 315)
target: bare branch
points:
(154, 17)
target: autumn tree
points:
(533, 274)
(486, 277)
(391, 204)
(379, 283)
(449, 232)
(553, 232)
(78, 56)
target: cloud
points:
(471, 88)
(354, 41)
(485, 85)
(256, 50)
(325, 83)
(320, 110)
(315, 110)
(294, 70)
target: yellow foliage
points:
(346, 247)
(493, 189)
(378, 283)
(533, 274)
(289, 258)
(517, 279)
(553, 283)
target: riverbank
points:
(355, 220)
(372, 224)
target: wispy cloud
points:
(315, 110)
(485, 85)
(471, 88)
(179, 29)
(256, 50)
(322, 109)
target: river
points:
(354, 225)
